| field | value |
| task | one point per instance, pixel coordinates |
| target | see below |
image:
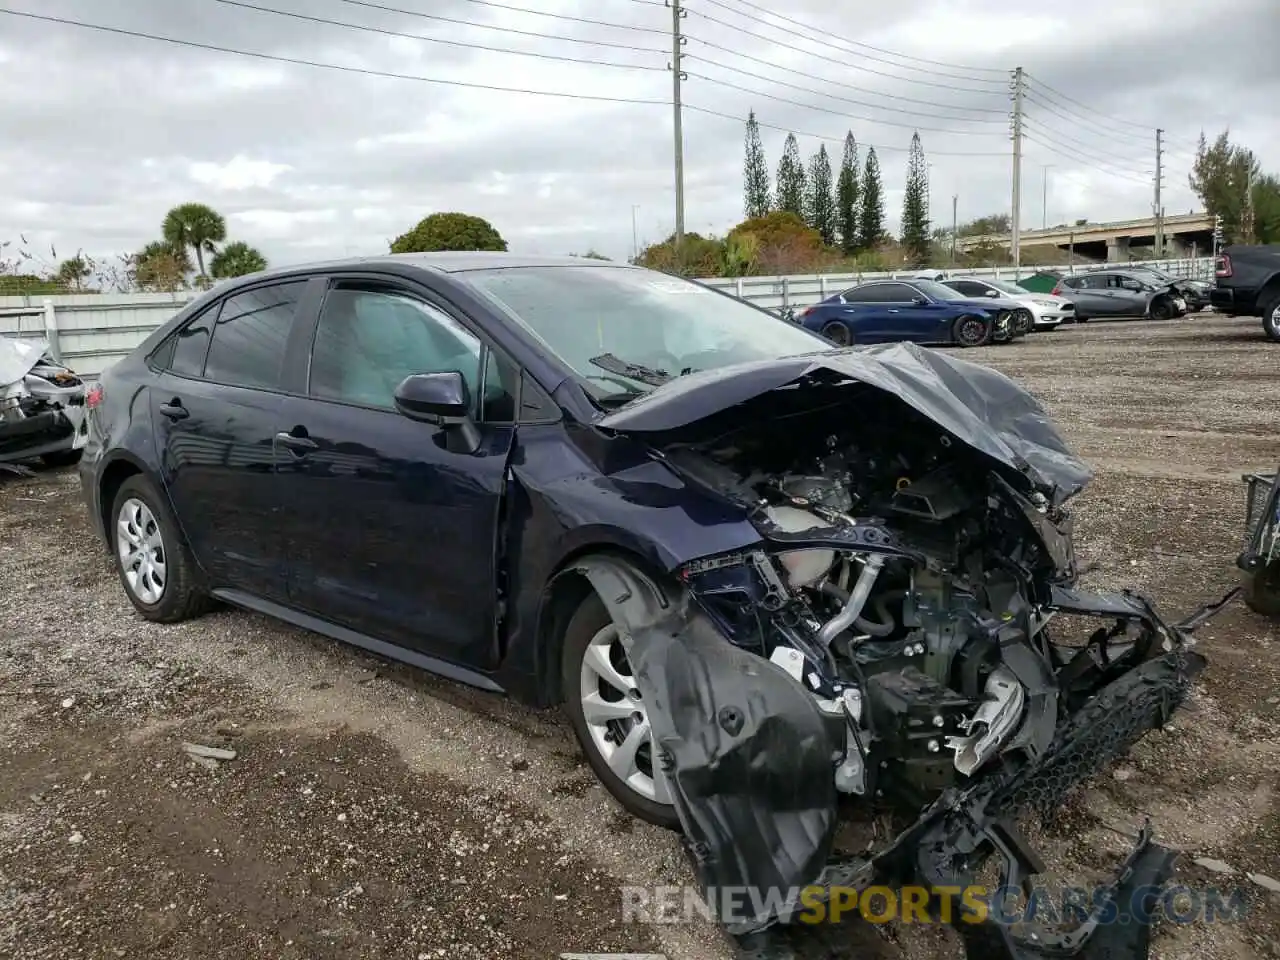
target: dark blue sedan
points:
(730, 549)
(919, 311)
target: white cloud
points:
(238, 173)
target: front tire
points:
(971, 331)
(155, 566)
(608, 715)
(1161, 310)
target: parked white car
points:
(1049, 310)
(42, 406)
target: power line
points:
(1075, 120)
(1075, 141)
(1003, 113)
(1057, 96)
(298, 61)
(564, 16)
(1098, 159)
(849, 66)
(825, 37)
(1076, 158)
(510, 30)
(879, 148)
(838, 113)
(452, 43)
(833, 96)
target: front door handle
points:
(293, 441)
(174, 410)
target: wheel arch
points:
(110, 479)
(576, 577)
(1267, 291)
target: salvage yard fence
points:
(89, 332)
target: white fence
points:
(89, 332)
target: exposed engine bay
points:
(893, 564)
(915, 547)
(42, 404)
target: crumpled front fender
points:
(745, 750)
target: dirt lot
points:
(372, 811)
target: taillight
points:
(1057, 289)
(94, 397)
(805, 312)
(1222, 266)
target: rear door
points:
(1089, 294)
(214, 409)
(390, 527)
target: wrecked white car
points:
(42, 406)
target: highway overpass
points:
(1187, 234)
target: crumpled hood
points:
(17, 357)
(976, 405)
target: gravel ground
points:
(372, 811)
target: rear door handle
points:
(174, 410)
(296, 443)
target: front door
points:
(214, 409)
(390, 527)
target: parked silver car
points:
(1121, 293)
(1047, 310)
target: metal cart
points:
(1259, 562)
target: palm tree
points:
(197, 226)
(236, 259)
(161, 266)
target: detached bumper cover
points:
(749, 758)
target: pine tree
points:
(871, 216)
(847, 195)
(820, 205)
(915, 206)
(791, 178)
(755, 173)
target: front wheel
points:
(609, 716)
(971, 331)
(1161, 310)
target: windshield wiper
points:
(632, 371)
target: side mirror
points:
(441, 399)
(993, 294)
(920, 301)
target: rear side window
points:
(191, 344)
(250, 335)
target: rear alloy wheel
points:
(609, 715)
(154, 564)
(1271, 320)
(838, 333)
(971, 331)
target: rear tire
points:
(589, 622)
(971, 331)
(162, 583)
(838, 333)
(1271, 319)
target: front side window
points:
(250, 334)
(592, 317)
(934, 290)
(368, 340)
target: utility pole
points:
(1016, 219)
(955, 226)
(1044, 202)
(1158, 209)
(677, 74)
(635, 237)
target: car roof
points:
(445, 261)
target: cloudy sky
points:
(102, 132)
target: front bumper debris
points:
(748, 758)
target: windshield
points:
(936, 290)
(623, 330)
(1007, 287)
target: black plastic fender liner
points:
(745, 750)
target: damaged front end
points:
(889, 641)
(42, 404)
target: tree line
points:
(1229, 180)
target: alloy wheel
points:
(837, 333)
(140, 548)
(616, 718)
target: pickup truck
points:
(1248, 284)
